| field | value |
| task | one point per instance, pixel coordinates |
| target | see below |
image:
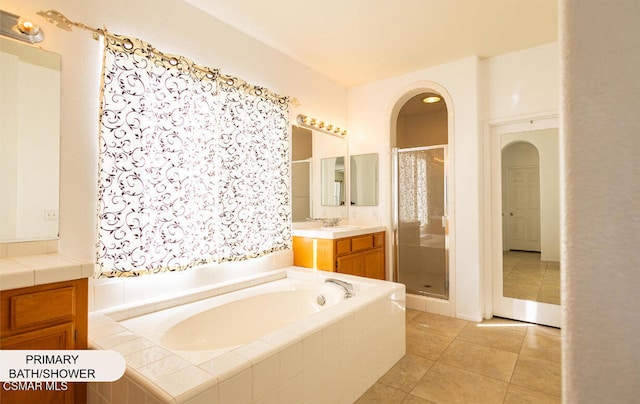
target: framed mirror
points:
(308, 150)
(363, 178)
(29, 142)
(333, 192)
(525, 220)
(301, 174)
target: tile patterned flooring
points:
(450, 360)
(527, 277)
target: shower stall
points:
(420, 220)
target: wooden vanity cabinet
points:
(362, 255)
(49, 316)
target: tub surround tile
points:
(224, 366)
(308, 361)
(111, 341)
(312, 349)
(163, 367)
(135, 345)
(146, 356)
(255, 351)
(210, 396)
(266, 376)
(291, 361)
(186, 383)
(234, 390)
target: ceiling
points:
(354, 42)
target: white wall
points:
(373, 109)
(600, 45)
(502, 88)
(173, 27)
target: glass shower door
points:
(421, 242)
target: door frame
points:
(524, 310)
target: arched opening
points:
(421, 203)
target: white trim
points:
(492, 232)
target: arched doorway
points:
(421, 200)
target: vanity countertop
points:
(30, 270)
(335, 232)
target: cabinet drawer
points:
(362, 243)
(343, 246)
(31, 309)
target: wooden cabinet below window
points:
(51, 316)
(362, 255)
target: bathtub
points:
(283, 336)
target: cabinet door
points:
(349, 264)
(373, 264)
(56, 337)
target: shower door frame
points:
(396, 219)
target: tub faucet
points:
(348, 288)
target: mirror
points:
(363, 176)
(333, 181)
(309, 148)
(301, 173)
(29, 142)
(531, 215)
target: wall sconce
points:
(19, 28)
(315, 124)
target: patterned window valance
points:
(193, 164)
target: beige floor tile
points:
(520, 291)
(548, 296)
(537, 374)
(550, 332)
(447, 384)
(410, 314)
(541, 347)
(487, 361)
(498, 336)
(424, 344)
(406, 372)
(411, 399)
(438, 325)
(383, 394)
(521, 395)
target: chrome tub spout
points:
(348, 288)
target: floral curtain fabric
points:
(193, 164)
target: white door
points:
(523, 206)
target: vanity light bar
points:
(316, 124)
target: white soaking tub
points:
(285, 336)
